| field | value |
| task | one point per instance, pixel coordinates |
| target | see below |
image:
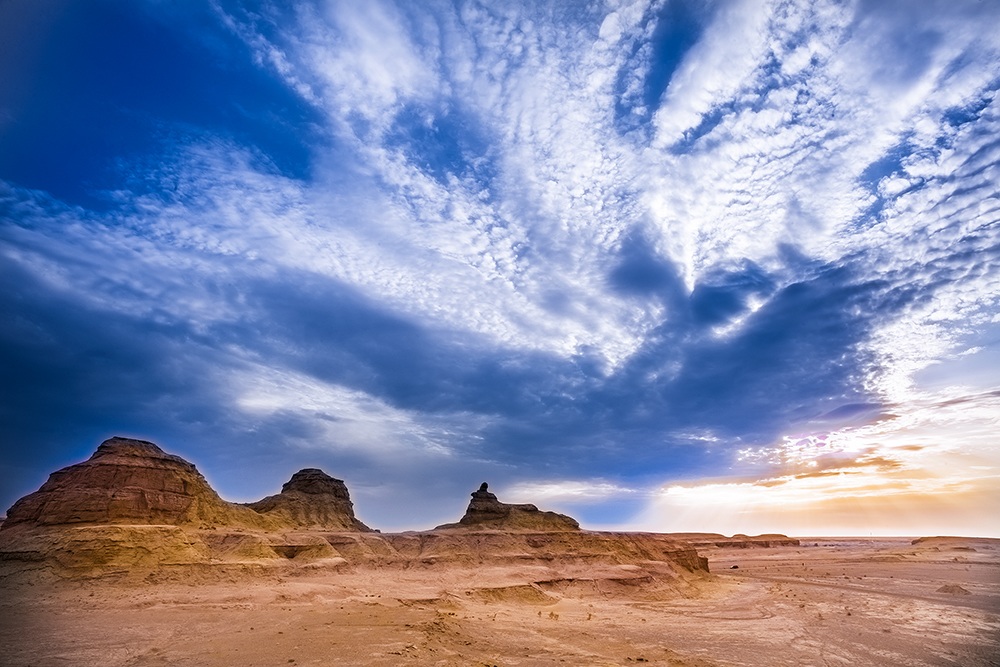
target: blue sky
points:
(664, 265)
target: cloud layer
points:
(588, 252)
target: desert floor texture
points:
(825, 602)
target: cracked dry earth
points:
(845, 602)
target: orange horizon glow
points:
(930, 468)
(935, 470)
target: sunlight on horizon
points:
(897, 476)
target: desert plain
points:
(130, 559)
(825, 602)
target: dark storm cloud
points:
(724, 293)
(73, 373)
(798, 357)
(793, 360)
(799, 351)
(328, 330)
(642, 272)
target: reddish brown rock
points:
(485, 511)
(312, 499)
(132, 511)
(129, 482)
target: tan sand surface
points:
(826, 602)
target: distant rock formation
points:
(737, 541)
(485, 511)
(312, 499)
(129, 481)
(765, 541)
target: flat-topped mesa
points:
(312, 499)
(767, 541)
(485, 511)
(737, 541)
(128, 481)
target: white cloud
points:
(347, 420)
(715, 68)
(528, 252)
(523, 259)
(565, 491)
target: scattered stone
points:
(953, 589)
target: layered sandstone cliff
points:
(129, 481)
(312, 499)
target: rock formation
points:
(565, 547)
(312, 499)
(129, 482)
(738, 541)
(134, 512)
(485, 511)
(953, 589)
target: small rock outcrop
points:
(485, 511)
(312, 499)
(128, 481)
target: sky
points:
(666, 265)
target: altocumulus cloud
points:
(623, 255)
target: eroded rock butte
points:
(312, 499)
(485, 511)
(133, 511)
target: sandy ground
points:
(827, 602)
